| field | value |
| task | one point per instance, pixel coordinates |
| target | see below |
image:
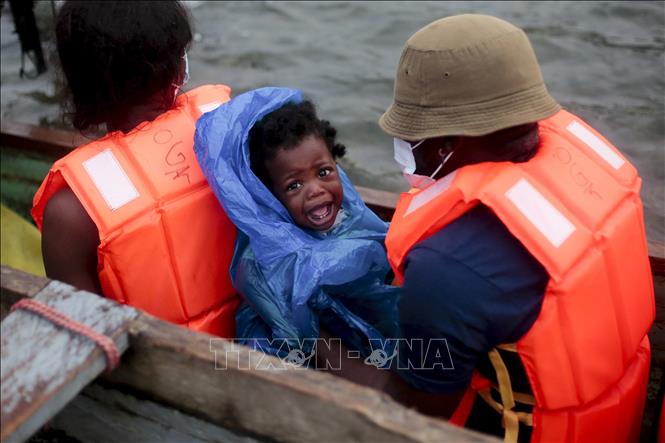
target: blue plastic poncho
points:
(293, 278)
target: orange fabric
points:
(168, 250)
(463, 410)
(586, 354)
(615, 416)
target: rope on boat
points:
(58, 318)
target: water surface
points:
(601, 60)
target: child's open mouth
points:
(321, 215)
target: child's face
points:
(306, 181)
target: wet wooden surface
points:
(182, 368)
(105, 414)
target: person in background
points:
(310, 260)
(25, 26)
(521, 243)
(130, 215)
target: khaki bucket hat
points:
(466, 75)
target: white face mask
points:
(186, 77)
(407, 162)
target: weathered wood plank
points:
(176, 366)
(50, 141)
(103, 415)
(44, 366)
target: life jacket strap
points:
(511, 419)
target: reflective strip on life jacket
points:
(165, 242)
(111, 181)
(542, 214)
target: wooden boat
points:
(166, 387)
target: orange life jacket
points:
(165, 241)
(576, 207)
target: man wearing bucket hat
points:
(521, 242)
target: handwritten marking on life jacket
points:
(163, 136)
(566, 158)
(182, 172)
(176, 157)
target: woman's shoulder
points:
(69, 242)
(65, 211)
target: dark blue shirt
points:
(474, 285)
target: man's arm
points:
(69, 242)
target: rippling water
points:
(601, 60)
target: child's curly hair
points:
(285, 128)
